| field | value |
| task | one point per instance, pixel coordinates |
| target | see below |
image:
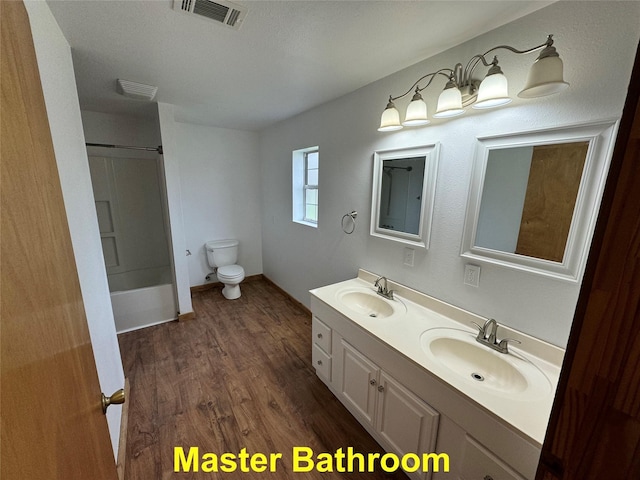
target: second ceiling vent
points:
(221, 11)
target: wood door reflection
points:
(550, 199)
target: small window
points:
(305, 186)
(311, 186)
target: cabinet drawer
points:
(478, 463)
(321, 334)
(321, 362)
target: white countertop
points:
(402, 331)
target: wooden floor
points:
(238, 376)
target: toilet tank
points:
(222, 252)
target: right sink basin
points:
(456, 352)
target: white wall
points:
(597, 41)
(116, 129)
(220, 185)
(171, 161)
(61, 99)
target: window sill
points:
(308, 224)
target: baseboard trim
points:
(183, 317)
(286, 294)
(122, 443)
(205, 287)
(210, 286)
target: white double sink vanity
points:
(412, 373)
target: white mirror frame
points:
(431, 153)
(601, 138)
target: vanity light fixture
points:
(462, 90)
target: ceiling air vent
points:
(221, 11)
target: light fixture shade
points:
(493, 92)
(449, 103)
(416, 112)
(545, 78)
(390, 119)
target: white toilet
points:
(222, 256)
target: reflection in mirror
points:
(534, 198)
(529, 197)
(402, 195)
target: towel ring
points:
(352, 216)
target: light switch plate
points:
(409, 255)
(472, 275)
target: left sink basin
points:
(365, 302)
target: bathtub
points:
(142, 307)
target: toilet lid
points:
(231, 270)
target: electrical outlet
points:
(409, 255)
(472, 275)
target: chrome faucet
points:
(489, 330)
(487, 335)
(383, 291)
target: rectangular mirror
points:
(403, 193)
(534, 198)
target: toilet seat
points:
(231, 276)
(230, 273)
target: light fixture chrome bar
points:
(432, 75)
(468, 71)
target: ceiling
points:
(287, 56)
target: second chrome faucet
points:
(487, 335)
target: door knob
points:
(117, 398)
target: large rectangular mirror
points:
(534, 197)
(402, 194)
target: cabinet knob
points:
(488, 477)
(319, 362)
(372, 382)
(319, 335)
(380, 388)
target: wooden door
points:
(52, 421)
(594, 430)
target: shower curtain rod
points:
(146, 149)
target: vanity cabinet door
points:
(404, 421)
(359, 385)
(478, 462)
